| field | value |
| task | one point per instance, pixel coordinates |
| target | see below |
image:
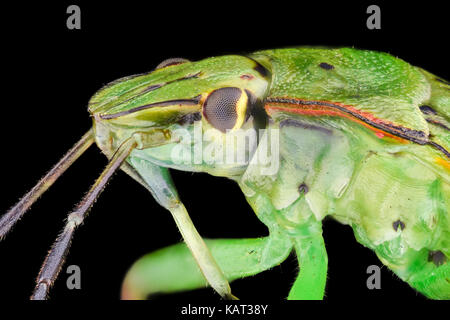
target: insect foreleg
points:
(8, 220)
(201, 253)
(55, 258)
(163, 190)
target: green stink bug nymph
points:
(359, 136)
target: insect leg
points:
(16, 212)
(163, 190)
(173, 269)
(55, 258)
(201, 253)
(313, 261)
(432, 278)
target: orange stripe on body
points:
(443, 162)
(318, 110)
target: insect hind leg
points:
(173, 269)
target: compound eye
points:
(171, 62)
(225, 108)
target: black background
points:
(50, 74)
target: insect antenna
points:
(55, 258)
(10, 218)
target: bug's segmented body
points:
(386, 175)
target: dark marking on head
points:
(191, 102)
(247, 77)
(427, 109)
(398, 224)
(437, 123)
(260, 69)
(443, 81)
(303, 188)
(190, 118)
(437, 257)
(171, 62)
(159, 85)
(255, 109)
(151, 88)
(304, 125)
(326, 66)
